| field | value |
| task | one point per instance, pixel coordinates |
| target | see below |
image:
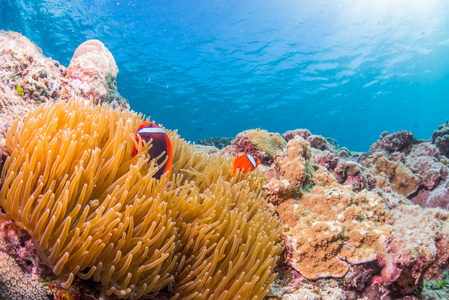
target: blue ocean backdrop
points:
(347, 69)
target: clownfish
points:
(244, 163)
(161, 143)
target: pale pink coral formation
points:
(428, 170)
(315, 141)
(417, 247)
(91, 73)
(346, 172)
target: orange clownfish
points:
(161, 143)
(244, 163)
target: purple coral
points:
(18, 243)
(397, 141)
(289, 135)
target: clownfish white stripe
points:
(251, 160)
(151, 130)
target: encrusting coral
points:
(94, 211)
(17, 285)
(327, 226)
(260, 143)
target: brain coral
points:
(94, 211)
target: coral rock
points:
(15, 284)
(438, 197)
(428, 170)
(423, 149)
(330, 229)
(440, 138)
(28, 78)
(351, 173)
(17, 243)
(417, 247)
(389, 172)
(397, 141)
(304, 133)
(92, 72)
(294, 164)
(260, 143)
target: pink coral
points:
(18, 243)
(416, 247)
(304, 133)
(428, 170)
(91, 73)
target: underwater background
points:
(342, 69)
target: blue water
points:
(344, 69)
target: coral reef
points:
(17, 243)
(346, 172)
(304, 133)
(418, 247)
(328, 290)
(332, 229)
(15, 284)
(328, 226)
(397, 141)
(260, 143)
(75, 203)
(390, 171)
(94, 211)
(316, 141)
(91, 74)
(428, 170)
(440, 138)
(28, 78)
(220, 143)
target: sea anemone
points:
(94, 211)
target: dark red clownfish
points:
(244, 163)
(161, 143)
